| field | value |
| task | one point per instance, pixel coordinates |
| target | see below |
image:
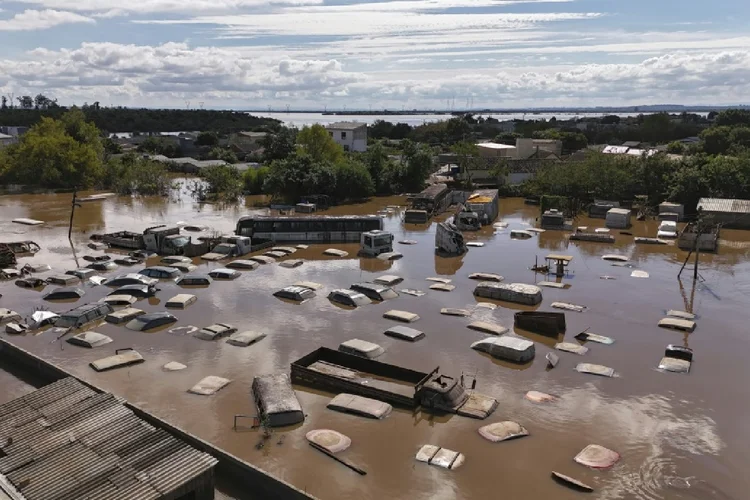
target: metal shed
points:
(731, 213)
(67, 441)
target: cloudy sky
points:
(252, 54)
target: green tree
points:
(468, 159)
(299, 175)
(716, 140)
(133, 174)
(418, 164)
(353, 181)
(740, 138)
(207, 139)
(222, 154)
(254, 178)
(676, 148)
(26, 102)
(221, 182)
(317, 143)
(733, 118)
(280, 145)
(457, 130)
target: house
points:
(496, 150)
(525, 148)
(13, 131)
(186, 164)
(727, 212)
(631, 144)
(6, 140)
(352, 136)
(247, 142)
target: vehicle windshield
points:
(180, 241)
(66, 321)
(224, 248)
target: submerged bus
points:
(315, 228)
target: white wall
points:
(352, 140)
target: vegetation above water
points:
(30, 111)
(70, 153)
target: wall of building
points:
(730, 220)
(527, 147)
(350, 139)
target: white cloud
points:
(29, 20)
(117, 7)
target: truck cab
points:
(165, 240)
(373, 243)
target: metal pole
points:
(72, 211)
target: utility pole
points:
(73, 206)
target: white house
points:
(6, 140)
(351, 135)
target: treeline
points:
(69, 153)
(112, 120)
(310, 162)
(659, 178)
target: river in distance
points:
(679, 436)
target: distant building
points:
(496, 150)
(6, 140)
(727, 212)
(247, 142)
(352, 136)
(13, 131)
(526, 148)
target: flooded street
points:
(679, 436)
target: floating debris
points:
(511, 292)
(244, 339)
(243, 264)
(607, 277)
(291, 263)
(552, 359)
(486, 277)
(174, 366)
(474, 244)
(404, 333)
(615, 257)
(286, 250)
(676, 359)
(553, 284)
(276, 400)
(601, 230)
(639, 274)
(404, 316)
(487, 305)
(6, 316)
(129, 357)
(262, 259)
(303, 246)
(535, 230)
(408, 242)
(335, 252)
(597, 457)
(411, 291)
(453, 311)
(601, 370)
(215, 331)
(540, 397)
(571, 347)
(677, 324)
(209, 385)
(500, 225)
(442, 287)
(441, 457)
(445, 281)
(487, 327)
(570, 482)
(361, 348)
(15, 328)
(358, 405)
(28, 222)
(593, 337)
(332, 441)
(568, 306)
(650, 241)
(509, 348)
(681, 314)
(503, 431)
(277, 255)
(123, 315)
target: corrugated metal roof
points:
(724, 205)
(66, 441)
(345, 125)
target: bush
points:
(134, 175)
(253, 180)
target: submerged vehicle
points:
(296, 293)
(150, 321)
(130, 279)
(667, 229)
(348, 298)
(374, 291)
(546, 323)
(82, 315)
(340, 372)
(160, 272)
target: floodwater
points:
(680, 436)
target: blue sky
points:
(379, 53)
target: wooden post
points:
(73, 206)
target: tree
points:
(207, 139)
(280, 145)
(253, 179)
(457, 130)
(26, 102)
(4, 103)
(222, 154)
(418, 164)
(222, 182)
(353, 181)
(133, 174)
(733, 118)
(299, 175)
(740, 138)
(377, 161)
(42, 102)
(111, 147)
(676, 148)
(716, 140)
(610, 120)
(316, 142)
(468, 159)
(82, 131)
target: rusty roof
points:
(67, 441)
(724, 205)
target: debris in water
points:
(486, 277)
(487, 327)
(474, 244)
(540, 397)
(441, 457)
(411, 291)
(639, 274)
(601, 370)
(335, 252)
(552, 359)
(487, 305)
(503, 431)
(681, 314)
(606, 277)
(570, 482)
(453, 311)
(567, 306)
(597, 457)
(174, 366)
(209, 385)
(408, 242)
(676, 359)
(593, 337)
(571, 347)
(28, 222)
(445, 281)
(615, 257)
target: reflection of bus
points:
(323, 228)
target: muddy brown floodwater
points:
(680, 436)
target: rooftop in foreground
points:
(67, 441)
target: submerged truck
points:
(340, 372)
(162, 239)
